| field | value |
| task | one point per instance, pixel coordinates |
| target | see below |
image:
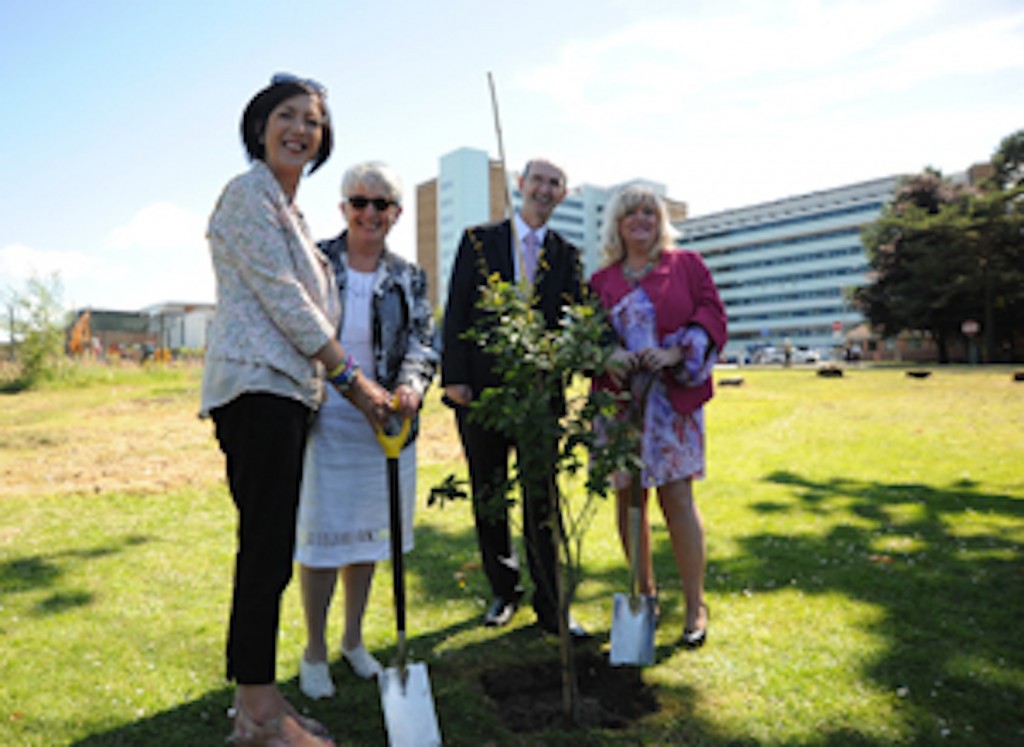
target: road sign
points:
(970, 328)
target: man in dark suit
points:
(553, 266)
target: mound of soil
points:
(529, 697)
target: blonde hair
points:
(625, 200)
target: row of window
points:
(688, 238)
(788, 241)
(845, 251)
(785, 297)
(778, 316)
(793, 333)
(794, 278)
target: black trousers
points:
(263, 437)
(487, 455)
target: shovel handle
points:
(393, 443)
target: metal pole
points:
(516, 246)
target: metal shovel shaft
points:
(635, 512)
(409, 716)
(633, 623)
(397, 565)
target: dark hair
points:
(254, 120)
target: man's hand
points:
(460, 394)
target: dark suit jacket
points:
(484, 250)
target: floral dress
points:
(672, 446)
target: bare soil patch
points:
(529, 697)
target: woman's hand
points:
(408, 401)
(371, 399)
(621, 364)
(656, 359)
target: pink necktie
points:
(530, 244)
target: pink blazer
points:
(683, 294)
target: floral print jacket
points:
(403, 323)
(276, 305)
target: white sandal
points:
(315, 679)
(362, 662)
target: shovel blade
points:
(408, 706)
(632, 635)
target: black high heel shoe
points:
(696, 638)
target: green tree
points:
(537, 364)
(37, 330)
(1008, 162)
(918, 250)
(998, 219)
(942, 253)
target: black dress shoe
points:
(500, 612)
(697, 638)
(549, 624)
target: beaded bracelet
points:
(343, 375)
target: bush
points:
(37, 332)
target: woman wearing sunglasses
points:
(343, 524)
(271, 345)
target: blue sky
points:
(120, 119)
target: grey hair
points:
(373, 174)
(548, 162)
(625, 200)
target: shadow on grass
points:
(949, 584)
(456, 668)
(951, 605)
(40, 572)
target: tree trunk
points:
(570, 689)
(940, 342)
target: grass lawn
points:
(865, 574)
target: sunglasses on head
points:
(359, 202)
(288, 78)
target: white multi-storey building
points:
(469, 191)
(785, 269)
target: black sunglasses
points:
(359, 202)
(287, 78)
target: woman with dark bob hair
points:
(272, 344)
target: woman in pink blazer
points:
(668, 323)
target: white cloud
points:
(159, 255)
(162, 225)
(19, 262)
(163, 250)
(768, 100)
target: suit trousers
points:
(487, 453)
(263, 437)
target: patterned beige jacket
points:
(277, 302)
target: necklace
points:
(636, 275)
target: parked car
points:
(768, 355)
(803, 354)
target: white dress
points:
(343, 507)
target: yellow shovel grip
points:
(393, 444)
